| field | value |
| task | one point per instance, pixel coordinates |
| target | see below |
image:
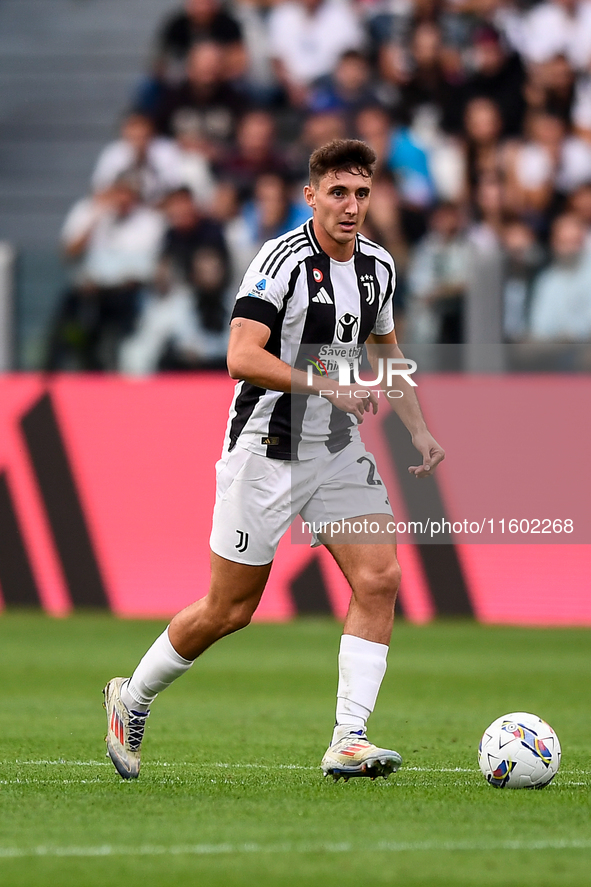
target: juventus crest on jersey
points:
(306, 299)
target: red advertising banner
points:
(107, 488)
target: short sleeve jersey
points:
(307, 299)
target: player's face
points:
(340, 203)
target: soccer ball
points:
(519, 750)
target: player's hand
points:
(346, 400)
(431, 452)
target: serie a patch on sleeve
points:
(259, 288)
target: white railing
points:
(7, 257)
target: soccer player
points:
(293, 447)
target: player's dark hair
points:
(346, 155)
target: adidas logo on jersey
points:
(322, 297)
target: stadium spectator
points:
(307, 38)
(435, 83)
(189, 231)
(548, 165)
(392, 23)
(196, 167)
(487, 228)
(349, 88)
(523, 258)
(420, 76)
(399, 153)
(561, 300)
(532, 165)
(272, 212)
(209, 277)
(579, 204)
(200, 21)
(581, 108)
(560, 27)
(255, 152)
(259, 78)
(167, 325)
(317, 129)
(505, 16)
(374, 126)
(446, 159)
(155, 161)
(575, 164)
(383, 222)
(203, 98)
(242, 247)
(550, 87)
(114, 234)
(115, 240)
(409, 163)
(182, 327)
(498, 75)
(438, 279)
(484, 153)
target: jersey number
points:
(371, 479)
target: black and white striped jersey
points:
(306, 299)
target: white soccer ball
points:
(519, 750)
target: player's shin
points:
(362, 666)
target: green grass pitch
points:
(230, 791)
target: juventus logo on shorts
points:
(347, 327)
(242, 543)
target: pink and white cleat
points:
(354, 755)
(125, 731)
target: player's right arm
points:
(249, 361)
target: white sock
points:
(157, 670)
(362, 666)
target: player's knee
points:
(388, 580)
(382, 580)
(239, 616)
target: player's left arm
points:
(407, 407)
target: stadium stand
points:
(464, 108)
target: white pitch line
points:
(95, 781)
(172, 766)
(60, 763)
(254, 848)
(254, 766)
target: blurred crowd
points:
(480, 114)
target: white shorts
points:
(258, 498)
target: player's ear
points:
(310, 196)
